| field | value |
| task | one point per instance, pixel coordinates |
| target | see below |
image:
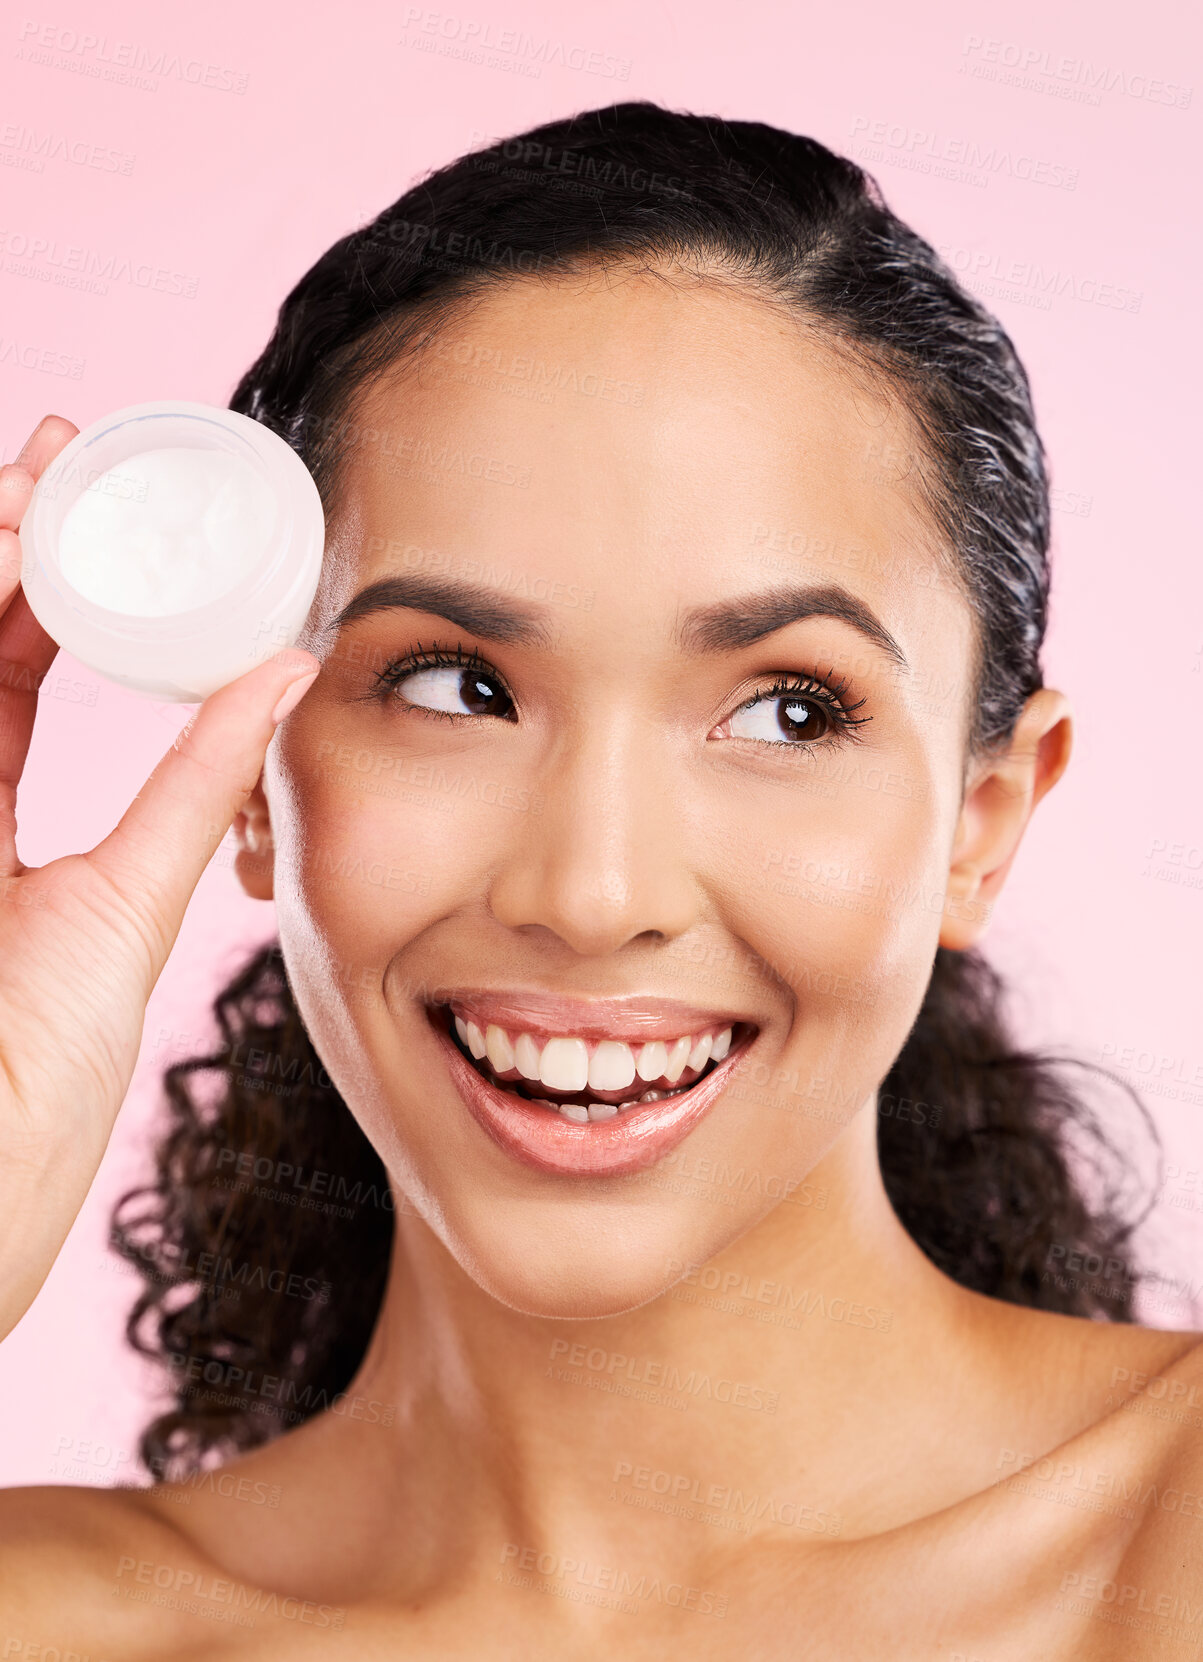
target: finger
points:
(26, 650)
(16, 488)
(163, 842)
(52, 434)
(26, 653)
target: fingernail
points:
(29, 441)
(292, 695)
(294, 657)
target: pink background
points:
(1052, 155)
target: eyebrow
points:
(724, 626)
(730, 624)
(475, 607)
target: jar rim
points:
(299, 521)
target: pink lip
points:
(546, 1141)
(633, 1020)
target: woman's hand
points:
(84, 939)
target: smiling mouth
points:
(583, 1105)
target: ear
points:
(255, 859)
(1000, 796)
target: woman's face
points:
(623, 489)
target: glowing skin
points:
(629, 834)
(635, 835)
(649, 853)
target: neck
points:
(783, 1370)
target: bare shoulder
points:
(1142, 1458)
(134, 1574)
(1161, 1573)
(1100, 1501)
(1077, 1370)
(69, 1563)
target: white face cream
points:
(166, 531)
(173, 546)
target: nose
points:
(605, 862)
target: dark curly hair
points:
(266, 1195)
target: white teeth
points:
(700, 1054)
(526, 1056)
(499, 1048)
(611, 1067)
(564, 1064)
(581, 1113)
(649, 1064)
(677, 1058)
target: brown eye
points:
(448, 689)
(798, 712)
(782, 719)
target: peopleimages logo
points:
(967, 160)
(75, 266)
(98, 55)
(242, 1383)
(1039, 283)
(42, 358)
(476, 36)
(178, 1587)
(1064, 75)
(39, 148)
(613, 1578)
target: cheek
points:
(836, 884)
(374, 848)
(841, 872)
(367, 859)
(364, 847)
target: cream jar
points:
(172, 546)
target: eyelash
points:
(827, 693)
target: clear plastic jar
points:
(221, 621)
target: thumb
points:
(157, 851)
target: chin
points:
(565, 1293)
(573, 1262)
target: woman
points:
(619, 1185)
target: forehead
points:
(634, 427)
